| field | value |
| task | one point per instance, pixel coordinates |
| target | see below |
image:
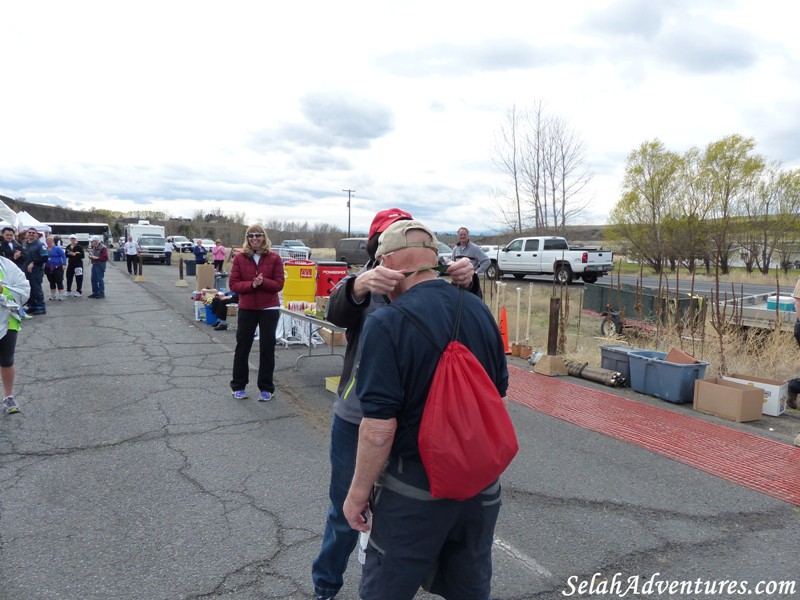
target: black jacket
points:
(7, 250)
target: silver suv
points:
(182, 243)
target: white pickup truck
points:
(550, 256)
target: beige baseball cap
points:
(394, 238)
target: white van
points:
(352, 251)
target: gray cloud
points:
(628, 17)
(334, 120)
(467, 59)
(671, 34)
(321, 160)
(702, 48)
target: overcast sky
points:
(272, 109)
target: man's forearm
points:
(375, 437)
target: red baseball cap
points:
(385, 218)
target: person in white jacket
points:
(14, 292)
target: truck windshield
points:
(151, 241)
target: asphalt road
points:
(699, 286)
(132, 474)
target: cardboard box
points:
(233, 310)
(775, 392)
(331, 338)
(204, 277)
(676, 355)
(332, 384)
(729, 400)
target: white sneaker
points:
(77, 294)
(52, 297)
(67, 294)
(60, 297)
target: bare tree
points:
(567, 174)
(506, 158)
(545, 162)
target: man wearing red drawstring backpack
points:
(416, 539)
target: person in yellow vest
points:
(14, 292)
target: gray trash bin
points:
(221, 281)
(191, 268)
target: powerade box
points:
(673, 382)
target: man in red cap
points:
(355, 297)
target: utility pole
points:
(349, 193)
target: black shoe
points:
(220, 327)
(92, 296)
(37, 311)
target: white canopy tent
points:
(26, 221)
(8, 216)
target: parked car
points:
(294, 246)
(445, 253)
(352, 251)
(208, 244)
(182, 243)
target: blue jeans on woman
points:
(339, 539)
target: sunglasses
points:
(255, 235)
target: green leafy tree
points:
(651, 189)
(730, 171)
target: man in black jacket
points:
(35, 257)
(10, 247)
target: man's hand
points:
(380, 281)
(461, 272)
(354, 511)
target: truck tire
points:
(492, 272)
(563, 275)
(519, 276)
(590, 278)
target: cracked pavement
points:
(132, 474)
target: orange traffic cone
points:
(504, 330)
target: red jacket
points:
(244, 271)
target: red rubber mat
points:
(749, 460)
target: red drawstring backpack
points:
(466, 438)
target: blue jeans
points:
(338, 539)
(98, 280)
(36, 298)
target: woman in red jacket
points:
(257, 276)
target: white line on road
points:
(528, 562)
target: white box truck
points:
(151, 239)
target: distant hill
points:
(54, 214)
